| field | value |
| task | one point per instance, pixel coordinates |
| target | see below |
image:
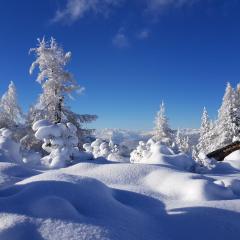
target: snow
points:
(159, 195)
(60, 141)
(9, 149)
(233, 159)
(108, 150)
(106, 200)
(157, 153)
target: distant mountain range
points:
(131, 138)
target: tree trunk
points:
(221, 153)
(58, 110)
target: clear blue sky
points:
(129, 55)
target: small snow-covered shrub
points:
(157, 153)
(9, 149)
(204, 163)
(108, 150)
(142, 151)
(60, 141)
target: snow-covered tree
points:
(9, 149)
(10, 111)
(178, 138)
(162, 131)
(182, 143)
(204, 139)
(185, 146)
(108, 150)
(57, 84)
(227, 122)
(54, 79)
(237, 106)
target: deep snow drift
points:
(161, 198)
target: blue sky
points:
(129, 55)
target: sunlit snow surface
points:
(109, 200)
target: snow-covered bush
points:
(153, 152)
(204, 163)
(60, 141)
(142, 151)
(108, 150)
(9, 149)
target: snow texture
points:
(106, 200)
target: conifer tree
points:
(57, 84)
(10, 111)
(204, 139)
(227, 123)
(162, 131)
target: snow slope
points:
(108, 200)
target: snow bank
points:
(113, 201)
(233, 159)
(231, 164)
(11, 173)
(187, 187)
(62, 206)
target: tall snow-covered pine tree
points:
(11, 113)
(57, 84)
(162, 131)
(227, 123)
(204, 139)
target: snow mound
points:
(11, 173)
(79, 207)
(187, 186)
(233, 159)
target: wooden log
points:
(221, 153)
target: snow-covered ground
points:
(110, 200)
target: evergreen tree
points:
(162, 131)
(227, 122)
(57, 84)
(204, 139)
(182, 143)
(10, 111)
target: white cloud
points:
(76, 9)
(144, 34)
(120, 40)
(160, 5)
